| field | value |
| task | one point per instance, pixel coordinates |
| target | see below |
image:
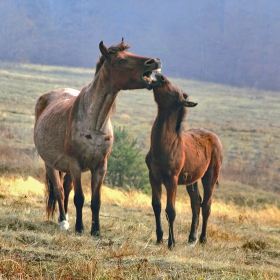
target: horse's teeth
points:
(158, 70)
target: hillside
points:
(247, 121)
(244, 225)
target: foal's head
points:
(126, 70)
(168, 96)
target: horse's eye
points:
(122, 61)
(176, 95)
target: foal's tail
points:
(50, 198)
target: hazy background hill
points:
(232, 42)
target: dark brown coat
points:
(178, 157)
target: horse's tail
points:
(50, 198)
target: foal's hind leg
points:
(58, 194)
(195, 205)
(208, 181)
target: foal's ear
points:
(103, 49)
(190, 104)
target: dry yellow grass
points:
(243, 243)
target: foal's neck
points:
(168, 125)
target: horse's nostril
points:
(151, 61)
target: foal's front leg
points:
(171, 189)
(97, 177)
(156, 203)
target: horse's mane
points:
(113, 49)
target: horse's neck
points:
(97, 103)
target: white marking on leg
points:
(64, 225)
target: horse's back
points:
(53, 97)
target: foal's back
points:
(202, 152)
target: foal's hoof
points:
(95, 233)
(171, 246)
(64, 225)
(159, 240)
(203, 240)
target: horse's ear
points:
(122, 42)
(103, 49)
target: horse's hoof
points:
(192, 242)
(64, 225)
(79, 232)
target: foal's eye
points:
(176, 95)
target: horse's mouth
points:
(150, 77)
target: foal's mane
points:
(182, 114)
(113, 49)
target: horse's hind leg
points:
(56, 193)
(195, 205)
(208, 181)
(67, 186)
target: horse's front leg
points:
(156, 203)
(195, 205)
(171, 189)
(97, 176)
(79, 197)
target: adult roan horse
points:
(73, 132)
(178, 157)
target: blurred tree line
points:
(232, 42)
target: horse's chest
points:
(92, 148)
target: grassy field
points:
(243, 243)
(244, 226)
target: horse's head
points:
(126, 70)
(168, 95)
